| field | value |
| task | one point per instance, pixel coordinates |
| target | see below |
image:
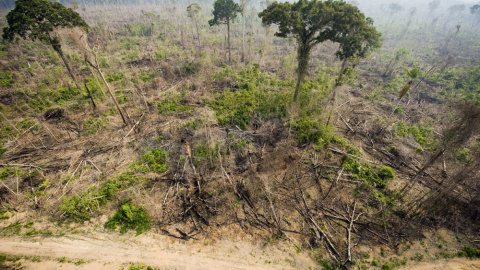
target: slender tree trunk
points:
(97, 67)
(198, 36)
(58, 49)
(303, 54)
(113, 96)
(228, 40)
(342, 69)
(243, 39)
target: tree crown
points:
(36, 19)
(224, 11)
(313, 22)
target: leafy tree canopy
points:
(224, 11)
(355, 33)
(193, 10)
(36, 19)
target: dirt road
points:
(114, 251)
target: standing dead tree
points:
(91, 57)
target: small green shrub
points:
(312, 131)
(172, 105)
(28, 225)
(377, 177)
(423, 135)
(4, 215)
(2, 150)
(128, 217)
(146, 76)
(114, 76)
(190, 68)
(469, 252)
(156, 160)
(386, 266)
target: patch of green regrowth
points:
(171, 104)
(327, 265)
(463, 155)
(423, 135)
(114, 76)
(28, 124)
(154, 160)
(146, 76)
(92, 125)
(140, 266)
(128, 217)
(6, 78)
(194, 124)
(376, 177)
(417, 257)
(310, 130)
(6, 172)
(2, 150)
(258, 95)
(28, 225)
(13, 228)
(469, 252)
(81, 207)
(202, 152)
(38, 232)
(191, 67)
(4, 214)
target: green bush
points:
(469, 252)
(312, 131)
(156, 160)
(376, 177)
(128, 217)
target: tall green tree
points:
(39, 20)
(193, 11)
(312, 22)
(225, 11)
(309, 22)
(355, 33)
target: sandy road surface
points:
(112, 251)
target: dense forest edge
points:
(358, 147)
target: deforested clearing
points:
(149, 134)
